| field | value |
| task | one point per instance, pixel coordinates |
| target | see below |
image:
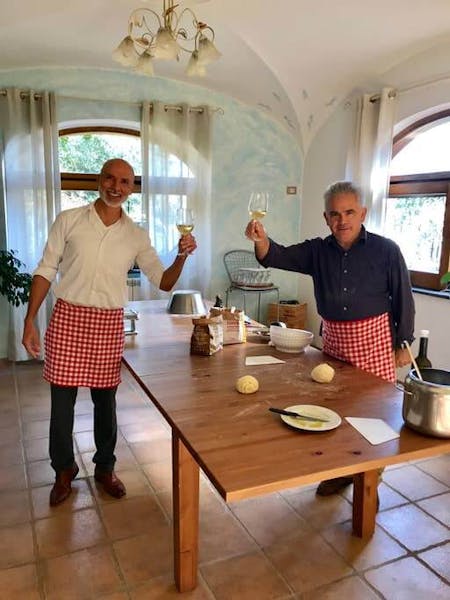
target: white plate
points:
(312, 410)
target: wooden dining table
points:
(244, 449)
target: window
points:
(82, 153)
(418, 209)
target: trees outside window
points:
(418, 208)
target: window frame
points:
(422, 184)
(177, 186)
(181, 186)
(89, 181)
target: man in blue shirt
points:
(361, 286)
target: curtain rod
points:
(376, 97)
(412, 87)
(424, 84)
(37, 96)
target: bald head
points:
(116, 161)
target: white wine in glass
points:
(258, 205)
(185, 229)
(185, 222)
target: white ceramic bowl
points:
(287, 339)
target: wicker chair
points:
(235, 261)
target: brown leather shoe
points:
(110, 482)
(333, 486)
(62, 487)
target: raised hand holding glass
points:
(258, 206)
(185, 223)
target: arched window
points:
(82, 152)
(418, 211)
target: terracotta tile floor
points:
(288, 545)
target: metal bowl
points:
(186, 302)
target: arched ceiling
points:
(295, 59)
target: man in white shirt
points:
(91, 248)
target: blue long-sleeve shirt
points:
(369, 279)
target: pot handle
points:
(401, 386)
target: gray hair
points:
(341, 187)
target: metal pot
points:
(426, 404)
(186, 302)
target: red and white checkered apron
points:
(366, 344)
(84, 346)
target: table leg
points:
(185, 487)
(365, 488)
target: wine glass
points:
(258, 206)
(185, 223)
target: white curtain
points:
(31, 188)
(370, 156)
(185, 132)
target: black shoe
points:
(333, 486)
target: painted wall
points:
(325, 162)
(250, 151)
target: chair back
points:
(239, 259)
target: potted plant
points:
(14, 283)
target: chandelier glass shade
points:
(165, 37)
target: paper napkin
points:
(261, 360)
(376, 431)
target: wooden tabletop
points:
(243, 448)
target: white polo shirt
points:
(93, 260)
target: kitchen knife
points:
(290, 413)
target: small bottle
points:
(218, 303)
(422, 360)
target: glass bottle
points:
(422, 360)
(218, 303)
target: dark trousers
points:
(61, 426)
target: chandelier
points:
(164, 37)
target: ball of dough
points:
(323, 373)
(247, 384)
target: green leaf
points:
(445, 278)
(14, 284)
